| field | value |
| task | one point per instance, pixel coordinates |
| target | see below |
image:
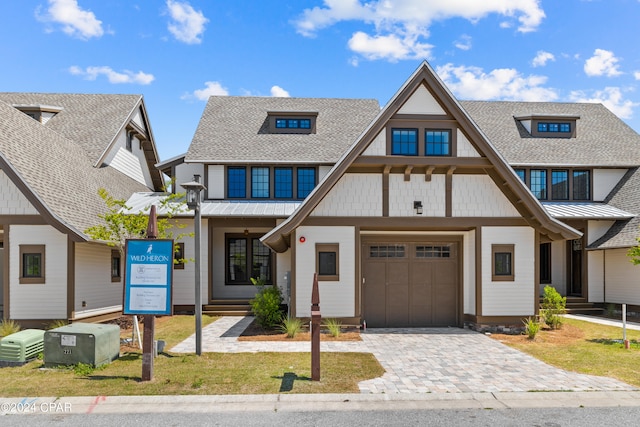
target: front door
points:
(575, 267)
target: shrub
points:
(334, 326)
(291, 326)
(553, 306)
(531, 327)
(8, 327)
(266, 304)
(57, 324)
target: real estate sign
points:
(148, 277)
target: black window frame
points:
(249, 239)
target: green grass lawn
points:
(211, 373)
(585, 347)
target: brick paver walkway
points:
(423, 360)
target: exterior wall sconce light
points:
(417, 205)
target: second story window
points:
(581, 185)
(306, 181)
(404, 142)
(260, 182)
(236, 182)
(270, 182)
(557, 184)
(437, 142)
(283, 183)
(538, 183)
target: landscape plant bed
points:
(255, 332)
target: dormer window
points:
(549, 126)
(40, 113)
(292, 122)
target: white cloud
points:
(636, 75)
(392, 47)
(126, 76)
(463, 43)
(210, 89)
(610, 97)
(278, 92)
(187, 24)
(542, 58)
(501, 84)
(405, 23)
(603, 62)
(75, 22)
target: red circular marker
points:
(302, 239)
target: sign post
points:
(148, 286)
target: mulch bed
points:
(255, 332)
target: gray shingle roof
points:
(602, 139)
(61, 179)
(92, 121)
(233, 129)
(626, 196)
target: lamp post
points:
(193, 190)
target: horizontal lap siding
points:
(622, 285)
(595, 263)
(517, 298)
(93, 278)
(39, 301)
(184, 288)
(337, 299)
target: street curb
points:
(314, 402)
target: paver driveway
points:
(423, 360)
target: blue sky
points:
(177, 53)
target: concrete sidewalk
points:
(313, 402)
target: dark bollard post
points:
(315, 330)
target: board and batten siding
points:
(39, 301)
(479, 196)
(185, 173)
(517, 298)
(337, 298)
(12, 201)
(353, 195)
(558, 267)
(131, 163)
(93, 278)
(622, 281)
(184, 289)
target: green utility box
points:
(90, 343)
(21, 346)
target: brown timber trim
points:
(448, 188)
(22, 220)
(479, 271)
(71, 277)
(416, 223)
(385, 192)
(443, 161)
(428, 172)
(407, 173)
(496, 320)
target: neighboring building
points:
(56, 152)
(429, 212)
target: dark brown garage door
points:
(409, 283)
